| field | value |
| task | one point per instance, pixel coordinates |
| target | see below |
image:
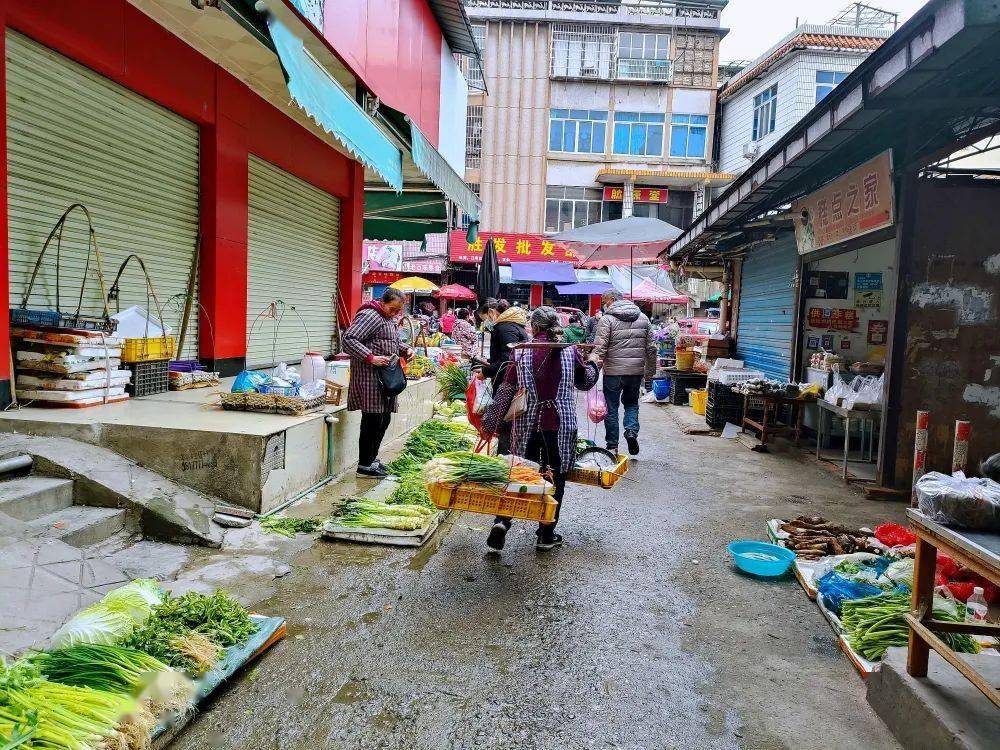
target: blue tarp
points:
(542, 271)
(315, 90)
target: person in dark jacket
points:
(545, 432)
(373, 341)
(509, 327)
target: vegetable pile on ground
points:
(813, 536)
(291, 526)
(459, 467)
(116, 668)
(876, 623)
(365, 513)
(453, 381)
(189, 632)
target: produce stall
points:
(862, 579)
(128, 671)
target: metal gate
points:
(765, 328)
(294, 240)
(74, 136)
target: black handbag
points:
(391, 378)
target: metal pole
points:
(919, 452)
(960, 451)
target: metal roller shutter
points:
(294, 243)
(74, 136)
(767, 308)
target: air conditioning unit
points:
(751, 150)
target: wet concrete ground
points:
(638, 634)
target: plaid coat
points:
(370, 333)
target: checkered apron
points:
(565, 403)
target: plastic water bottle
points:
(975, 607)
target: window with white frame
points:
(571, 207)
(638, 134)
(765, 111)
(579, 131)
(643, 56)
(475, 76)
(826, 81)
(473, 136)
(580, 51)
(688, 135)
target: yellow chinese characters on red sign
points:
(856, 203)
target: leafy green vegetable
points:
(466, 466)
(218, 616)
(874, 624)
(110, 668)
(453, 382)
(95, 624)
(363, 512)
(411, 490)
(291, 526)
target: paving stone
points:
(87, 573)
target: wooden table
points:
(771, 425)
(975, 550)
(866, 418)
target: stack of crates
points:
(149, 360)
(723, 405)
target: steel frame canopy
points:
(932, 88)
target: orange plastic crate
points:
(493, 502)
(604, 478)
(148, 349)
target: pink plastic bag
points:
(597, 407)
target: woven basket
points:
(267, 403)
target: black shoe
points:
(633, 443)
(498, 536)
(548, 541)
(375, 470)
(613, 447)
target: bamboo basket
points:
(267, 403)
(490, 501)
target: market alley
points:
(638, 634)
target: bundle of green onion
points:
(874, 624)
(363, 512)
(453, 382)
(458, 467)
(432, 438)
(66, 716)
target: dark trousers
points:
(623, 389)
(543, 448)
(373, 427)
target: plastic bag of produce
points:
(248, 380)
(597, 407)
(836, 588)
(838, 391)
(479, 396)
(971, 503)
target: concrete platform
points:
(252, 460)
(943, 711)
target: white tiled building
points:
(764, 100)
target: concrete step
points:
(28, 498)
(79, 525)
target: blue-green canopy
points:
(316, 91)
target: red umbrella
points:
(456, 292)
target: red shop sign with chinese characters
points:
(639, 194)
(510, 247)
(835, 319)
(856, 203)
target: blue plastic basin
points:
(761, 558)
(661, 388)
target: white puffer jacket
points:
(624, 341)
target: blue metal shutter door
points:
(767, 308)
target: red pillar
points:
(351, 237)
(535, 299)
(223, 271)
(595, 304)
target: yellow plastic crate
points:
(148, 349)
(604, 478)
(492, 502)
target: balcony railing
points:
(678, 9)
(631, 69)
